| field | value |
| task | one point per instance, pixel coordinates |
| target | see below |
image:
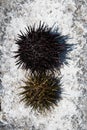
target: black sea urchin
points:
(41, 92)
(40, 49)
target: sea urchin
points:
(39, 49)
(41, 92)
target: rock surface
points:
(71, 18)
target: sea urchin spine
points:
(41, 92)
(40, 49)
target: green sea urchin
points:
(40, 49)
(41, 92)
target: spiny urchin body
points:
(40, 49)
(41, 92)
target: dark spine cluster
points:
(40, 49)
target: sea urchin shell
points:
(40, 49)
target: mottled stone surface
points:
(71, 18)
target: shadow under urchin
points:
(41, 92)
(40, 49)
